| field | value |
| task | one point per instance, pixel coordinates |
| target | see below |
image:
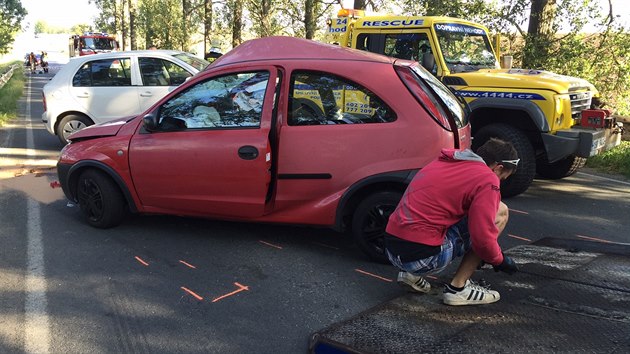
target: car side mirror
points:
(150, 122)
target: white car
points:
(99, 88)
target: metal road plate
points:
(565, 299)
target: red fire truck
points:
(91, 43)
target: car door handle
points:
(247, 152)
(146, 94)
(83, 95)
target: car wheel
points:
(559, 169)
(369, 222)
(100, 199)
(71, 124)
(518, 182)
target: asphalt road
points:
(168, 284)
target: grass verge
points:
(616, 160)
(11, 93)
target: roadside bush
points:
(616, 160)
(11, 93)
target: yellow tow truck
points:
(553, 120)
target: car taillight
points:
(426, 99)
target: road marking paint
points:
(604, 178)
(373, 275)
(37, 327)
(270, 244)
(141, 261)
(192, 293)
(520, 238)
(240, 288)
(325, 245)
(518, 211)
(187, 264)
(593, 239)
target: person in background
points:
(32, 61)
(452, 208)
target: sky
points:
(62, 13)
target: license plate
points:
(597, 145)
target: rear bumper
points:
(49, 122)
(582, 142)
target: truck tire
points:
(524, 175)
(100, 199)
(369, 222)
(70, 124)
(559, 169)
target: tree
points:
(540, 31)
(11, 17)
(237, 22)
(207, 25)
(132, 5)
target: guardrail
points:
(7, 76)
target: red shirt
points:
(457, 184)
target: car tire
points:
(559, 169)
(369, 222)
(518, 182)
(71, 124)
(100, 199)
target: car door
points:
(103, 88)
(158, 78)
(208, 153)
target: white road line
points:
(604, 178)
(36, 336)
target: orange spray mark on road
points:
(240, 288)
(520, 238)
(270, 244)
(192, 293)
(187, 264)
(325, 245)
(141, 261)
(373, 275)
(519, 211)
(593, 239)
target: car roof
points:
(151, 53)
(288, 48)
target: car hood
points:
(110, 128)
(525, 79)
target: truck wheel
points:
(70, 124)
(100, 199)
(559, 169)
(524, 175)
(369, 222)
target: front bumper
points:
(581, 142)
(63, 172)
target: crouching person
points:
(452, 208)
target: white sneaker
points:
(472, 294)
(414, 283)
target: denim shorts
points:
(455, 244)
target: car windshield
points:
(193, 61)
(98, 43)
(445, 95)
(464, 47)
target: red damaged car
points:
(281, 130)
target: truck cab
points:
(551, 119)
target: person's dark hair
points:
(498, 151)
